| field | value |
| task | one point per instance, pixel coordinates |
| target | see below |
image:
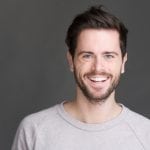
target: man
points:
(94, 120)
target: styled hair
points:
(95, 18)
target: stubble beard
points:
(90, 96)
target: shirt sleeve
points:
(25, 136)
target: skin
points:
(97, 66)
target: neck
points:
(98, 112)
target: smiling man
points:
(93, 120)
(97, 64)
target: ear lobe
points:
(70, 61)
(124, 63)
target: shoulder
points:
(138, 120)
(40, 118)
(33, 125)
(140, 125)
(38, 122)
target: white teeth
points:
(98, 79)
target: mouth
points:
(98, 78)
(98, 81)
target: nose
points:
(98, 65)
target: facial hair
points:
(89, 95)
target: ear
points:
(124, 63)
(70, 61)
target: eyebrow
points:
(105, 52)
(83, 52)
(111, 52)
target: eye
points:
(87, 56)
(109, 56)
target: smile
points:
(98, 78)
(98, 81)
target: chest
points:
(111, 139)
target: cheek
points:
(82, 68)
(115, 68)
(119, 70)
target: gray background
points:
(34, 72)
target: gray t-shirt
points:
(55, 129)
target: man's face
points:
(97, 63)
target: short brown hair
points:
(95, 18)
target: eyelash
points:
(109, 56)
(87, 56)
(90, 56)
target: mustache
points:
(98, 73)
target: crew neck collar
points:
(88, 126)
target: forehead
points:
(98, 40)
